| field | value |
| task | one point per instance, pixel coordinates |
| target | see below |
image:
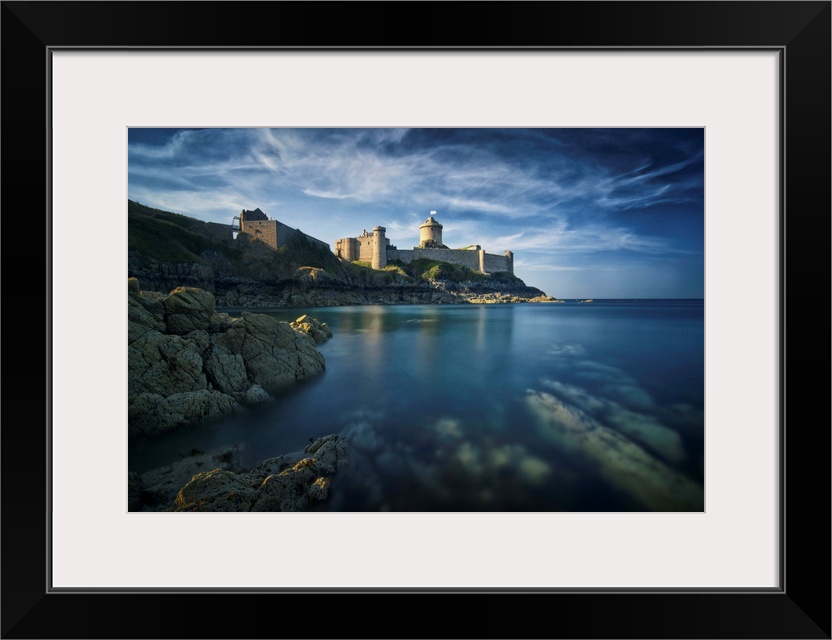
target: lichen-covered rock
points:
(226, 371)
(289, 490)
(274, 355)
(188, 363)
(199, 405)
(256, 394)
(329, 451)
(150, 413)
(154, 302)
(293, 482)
(160, 486)
(165, 364)
(312, 275)
(188, 309)
(308, 326)
(221, 322)
(215, 490)
(306, 482)
(140, 320)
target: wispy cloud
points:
(557, 193)
(563, 237)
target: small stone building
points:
(274, 233)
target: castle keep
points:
(273, 233)
(376, 249)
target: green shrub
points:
(433, 270)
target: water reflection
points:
(490, 408)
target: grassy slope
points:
(174, 238)
(360, 271)
(433, 270)
(171, 237)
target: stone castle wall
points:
(263, 230)
(360, 248)
(275, 233)
(462, 257)
(320, 243)
(493, 263)
(220, 231)
(347, 249)
(365, 248)
(284, 233)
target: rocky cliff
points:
(188, 363)
(167, 251)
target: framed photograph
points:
(457, 383)
(629, 511)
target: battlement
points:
(251, 216)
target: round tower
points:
(430, 233)
(379, 248)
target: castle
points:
(376, 249)
(273, 233)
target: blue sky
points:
(600, 213)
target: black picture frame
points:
(799, 608)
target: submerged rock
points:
(622, 462)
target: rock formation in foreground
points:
(188, 363)
(208, 482)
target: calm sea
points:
(527, 407)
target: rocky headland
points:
(168, 250)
